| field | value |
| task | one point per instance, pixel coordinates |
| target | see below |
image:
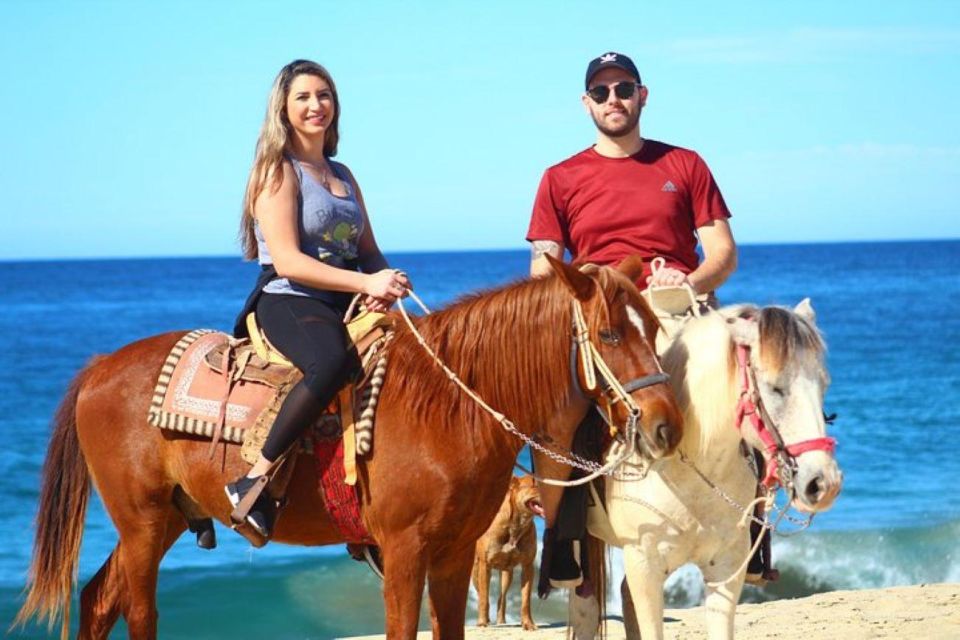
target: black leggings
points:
(311, 334)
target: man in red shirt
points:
(627, 194)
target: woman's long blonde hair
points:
(273, 141)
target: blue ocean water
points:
(889, 312)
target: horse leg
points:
(142, 546)
(100, 600)
(722, 594)
(583, 615)
(645, 575)
(506, 579)
(404, 574)
(449, 581)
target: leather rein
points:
(781, 467)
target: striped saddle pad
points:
(194, 397)
(213, 385)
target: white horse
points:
(673, 515)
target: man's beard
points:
(623, 129)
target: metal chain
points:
(578, 463)
(782, 512)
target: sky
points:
(128, 128)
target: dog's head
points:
(525, 496)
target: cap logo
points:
(608, 57)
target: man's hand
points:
(668, 277)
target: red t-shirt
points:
(605, 209)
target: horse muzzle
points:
(660, 431)
(817, 483)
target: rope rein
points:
(592, 362)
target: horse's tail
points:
(597, 570)
(60, 518)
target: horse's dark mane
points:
(510, 344)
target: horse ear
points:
(632, 267)
(579, 284)
(745, 331)
(805, 311)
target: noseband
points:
(780, 457)
(610, 387)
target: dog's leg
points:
(526, 588)
(481, 581)
(506, 579)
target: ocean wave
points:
(815, 562)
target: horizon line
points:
(218, 256)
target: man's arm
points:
(539, 267)
(719, 256)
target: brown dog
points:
(511, 540)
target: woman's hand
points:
(376, 305)
(386, 285)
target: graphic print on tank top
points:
(332, 221)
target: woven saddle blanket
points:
(213, 386)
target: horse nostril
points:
(663, 432)
(814, 489)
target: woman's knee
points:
(331, 370)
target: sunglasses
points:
(622, 90)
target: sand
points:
(928, 612)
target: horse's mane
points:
(509, 344)
(703, 356)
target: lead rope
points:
(625, 450)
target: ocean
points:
(890, 312)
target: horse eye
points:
(609, 336)
(778, 391)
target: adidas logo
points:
(668, 186)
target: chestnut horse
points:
(433, 483)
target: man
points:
(628, 195)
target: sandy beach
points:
(929, 611)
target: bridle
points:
(781, 467)
(608, 390)
(593, 366)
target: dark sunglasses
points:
(622, 90)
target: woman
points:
(305, 221)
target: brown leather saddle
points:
(215, 387)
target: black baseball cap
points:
(611, 59)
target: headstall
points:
(780, 458)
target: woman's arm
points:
(276, 213)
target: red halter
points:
(775, 451)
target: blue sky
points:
(128, 128)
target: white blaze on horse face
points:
(636, 320)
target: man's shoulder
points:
(664, 149)
(578, 159)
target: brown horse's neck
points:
(511, 345)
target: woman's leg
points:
(311, 334)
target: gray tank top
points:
(330, 228)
